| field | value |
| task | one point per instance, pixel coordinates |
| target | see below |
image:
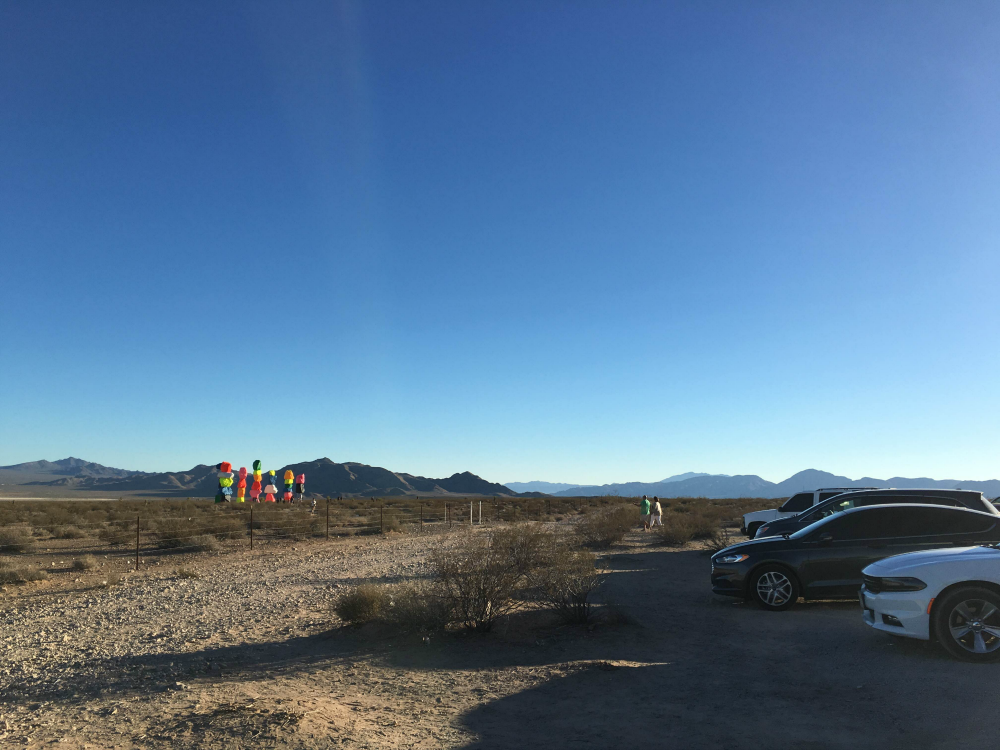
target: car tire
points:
(752, 529)
(967, 623)
(774, 588)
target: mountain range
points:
(552, 488)
(323, 477)
(751, 485)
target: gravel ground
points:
(249, 655)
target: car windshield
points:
(805, 530)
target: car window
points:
(827, 495)
(872, 524)
(938, 521)
(829, 510)
(797, 503)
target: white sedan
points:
(952, 595)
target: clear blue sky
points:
(572, 241)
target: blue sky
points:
(572, 241)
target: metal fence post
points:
(447, 513)
(470, 514)
(137, 542)
(480, 512)
(328, 518)
(251, 526)
(381, 519)
(421, 516)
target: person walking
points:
(644, 513)
(657, 513)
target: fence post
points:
(480, 512)
(421, 516)
(447, 513)
(470, 514)
(328, 518)
(137, 542)
(251, 526)
(381, 519)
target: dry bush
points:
(565, 580)
(718, 541)
(226, 526)
(172, 533)
(16, 538)
(68, 532)
(14, 572)
(482, 573)
(607, 526)
(202, 543)
(390, 522)
(117, 533)
(112, 579)
(85, 562)
(676, 530)
(362, 604)
(703, 525)
(187, 573)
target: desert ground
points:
(241, 649)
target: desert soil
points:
(250, 655)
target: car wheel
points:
(774, 588)
(752, 529)
(967, 624)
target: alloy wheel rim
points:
(975, 626)
(774, 588)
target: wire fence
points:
(138, 530)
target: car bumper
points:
(898, 613)
(728, 582)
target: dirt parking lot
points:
(247, 655)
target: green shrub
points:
(16, 538)
(602, 528)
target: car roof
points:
(929, 492)
(865, 508)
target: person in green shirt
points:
(644, 512)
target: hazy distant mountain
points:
(41, 471)
(751, 485)
(549, 487)
(688, 475)
(323, 477)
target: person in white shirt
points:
(657, 513)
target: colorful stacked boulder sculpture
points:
(225, 483)
(289, 482)
(255, 488)
(241, 486)
(272, 488)
(300, 486)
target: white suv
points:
(794, 505)
(949, 594)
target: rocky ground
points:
(248, 654)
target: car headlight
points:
(902, 584)
(761, 530)
(730, 559)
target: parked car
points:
(838, 503)
(825, 560)
(794, 505)
(952, 595)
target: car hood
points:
(752, 544)
(899, 564)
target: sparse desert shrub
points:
(566, 579)
(226, 526)
(362, 604)
(68, 532)
(85, 562)
(117, 533)
(111, 579)
(14, 572)
(703, 525)
(201, 543)
(718, 541)
(482, 572)
(187, 573)
(172, 533)
(676, 530)
(16, 538)
(602, 528)
(390, 522)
